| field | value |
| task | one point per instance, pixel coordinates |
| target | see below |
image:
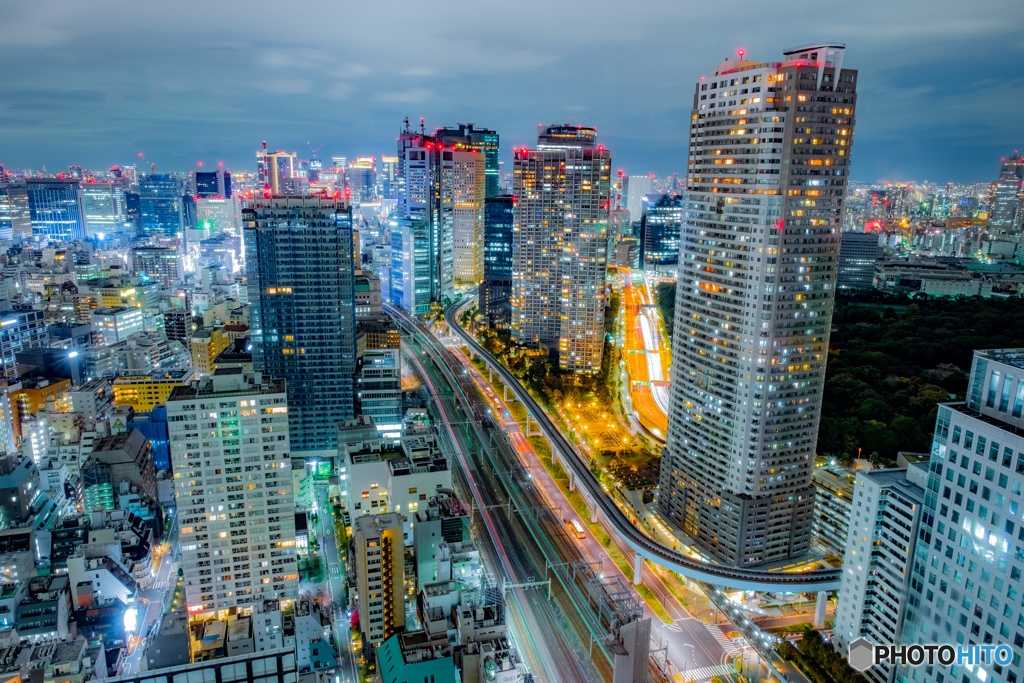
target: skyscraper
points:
(15, 217)
(468, 215)
(302, 309)
(858, 254)
(485, 141)
(105, 209)
(1006, 215)
(237, 541)
(423, 246)
(56, 208)
(638, 187)
(213, 184)
(768, 166)
(660, 226)
(560, 247)
(271, 169)
(499, 217)
(387, 176)
(160, 205)
(969, 555)
(877, 565)
(362, 179)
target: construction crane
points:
(152, 165)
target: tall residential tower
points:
(302, 310)
(560, 245)
(768, 166)
(236, 521)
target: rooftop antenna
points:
(423, 129)
(406, 125)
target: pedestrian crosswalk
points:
(717, 634)
(704, 673)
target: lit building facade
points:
(15, 217)
(768, 167)
(236, 517)
(379, 388)
(660, 227)
(162, 264)
(423, 246)
(216, 184)
(966, 582)
(858, 254)
(499, 219)
(56, 208)
(560, 245)
(21, 329)
(484, 141)
(884, 523)
(160, 205)
(361, 179)
(1006, 215)
(105, 209)
(302, 309)
(468, 178)
(271, 169)
(380, 575)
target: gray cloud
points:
(94, 83)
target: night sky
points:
(95, 82)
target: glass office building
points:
(497, 285)
(56, 208)
(301, 290)
(160, 204)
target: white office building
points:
(638, 187)
(113, 325)
(231, 459)
(968, 577)
(884, 520)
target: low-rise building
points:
(127, 456)
(111, 325)
(145, 392)
(44, 614)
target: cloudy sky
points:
(95, 82)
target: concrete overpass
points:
(602, 506)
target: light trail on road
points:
(536, 639)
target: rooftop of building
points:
(238, 351)
(182, 375)
(394, 667)
(372, 526)
(1014, 357)
(115, 310)
(227, 382)
(129, 443)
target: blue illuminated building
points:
(57, 208)
(160, 204)
(497, 285)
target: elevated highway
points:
(582, 479)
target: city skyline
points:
(183, 93)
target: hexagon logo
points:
(860, 655)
